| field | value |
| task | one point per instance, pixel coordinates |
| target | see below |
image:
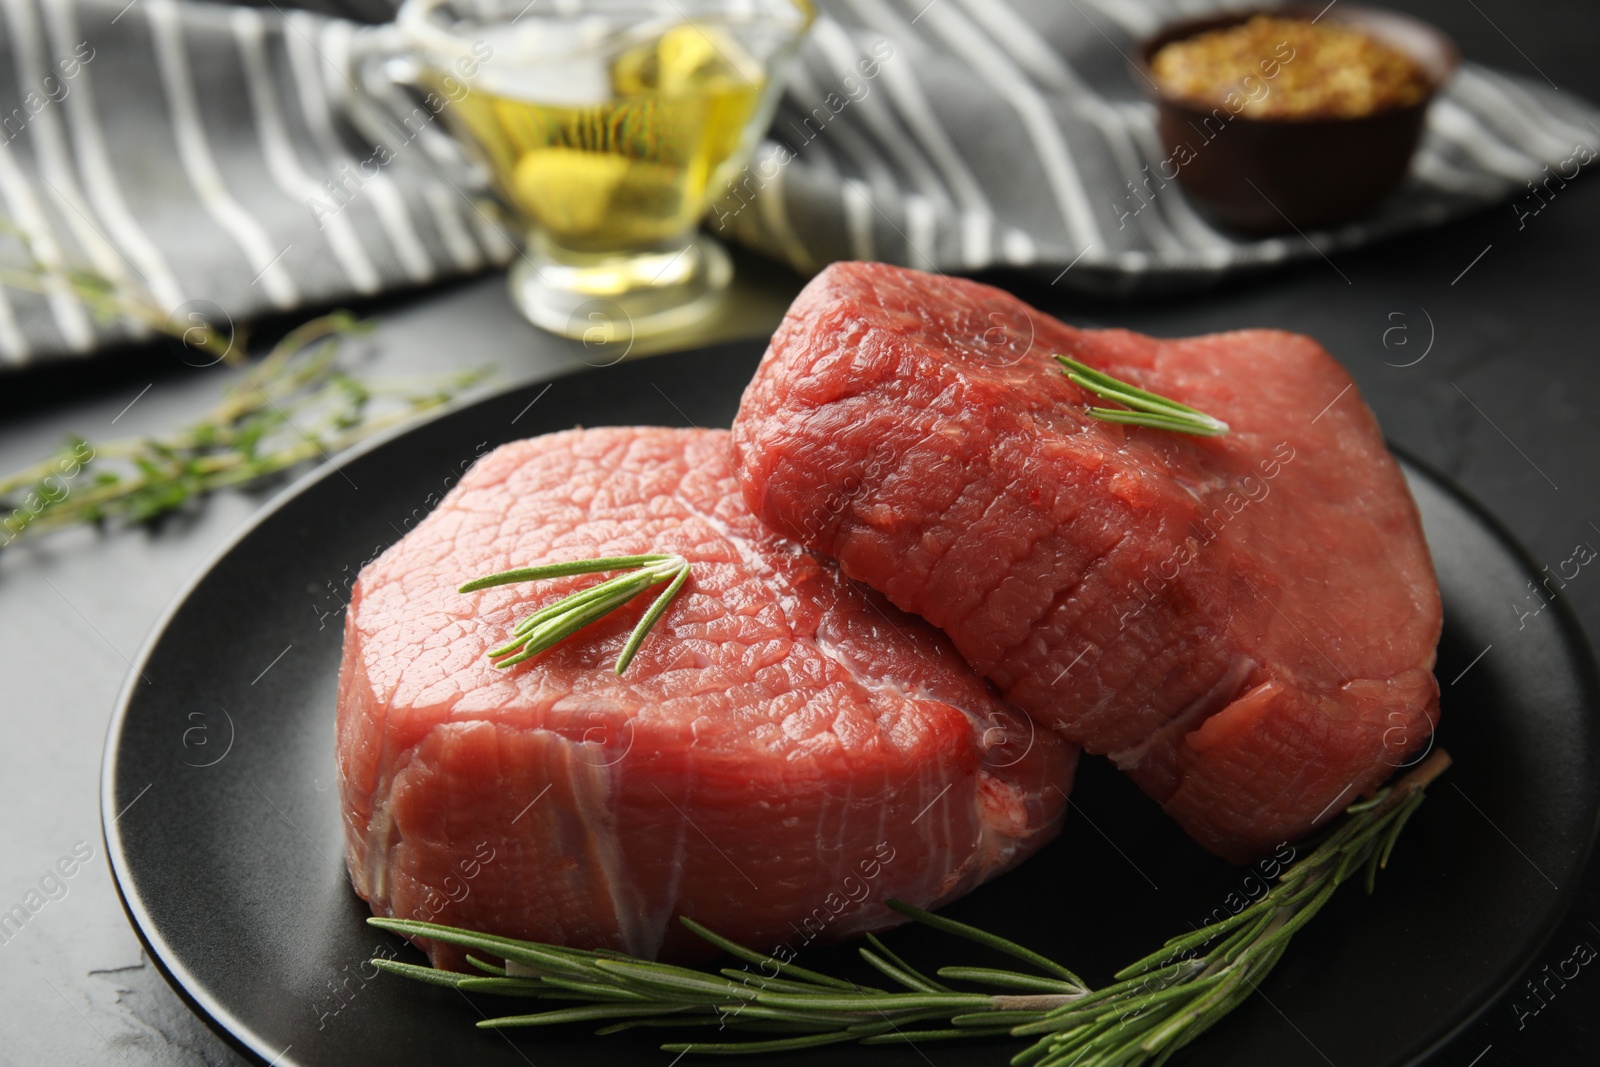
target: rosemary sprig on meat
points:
(549, 626)
(1140, 407)
(1154, 1007)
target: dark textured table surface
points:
(1475, 344)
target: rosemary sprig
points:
(551, 625)
(1140, 408)
(1154, 1006)
(293, 406)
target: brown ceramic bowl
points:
(1274, 175)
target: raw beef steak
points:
(1246, 623)
(786, 751)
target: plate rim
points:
(1570, 627)
(242, 1037)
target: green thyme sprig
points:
(1140, 408)
(1154, 1007)
(549, 626)
(294, 406)
(107, 301)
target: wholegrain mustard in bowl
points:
(1279, 119)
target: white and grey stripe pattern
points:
(203, 157)
(223, 158)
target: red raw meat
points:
(1246, 624)
(786, 751)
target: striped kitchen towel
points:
(220, 161)
(1014, 134)
(212, 161)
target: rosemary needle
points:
(551, 625)
(1151, 1009)
(1140, 407)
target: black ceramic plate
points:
(222, 822)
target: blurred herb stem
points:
(294, 406)
(107, 301)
